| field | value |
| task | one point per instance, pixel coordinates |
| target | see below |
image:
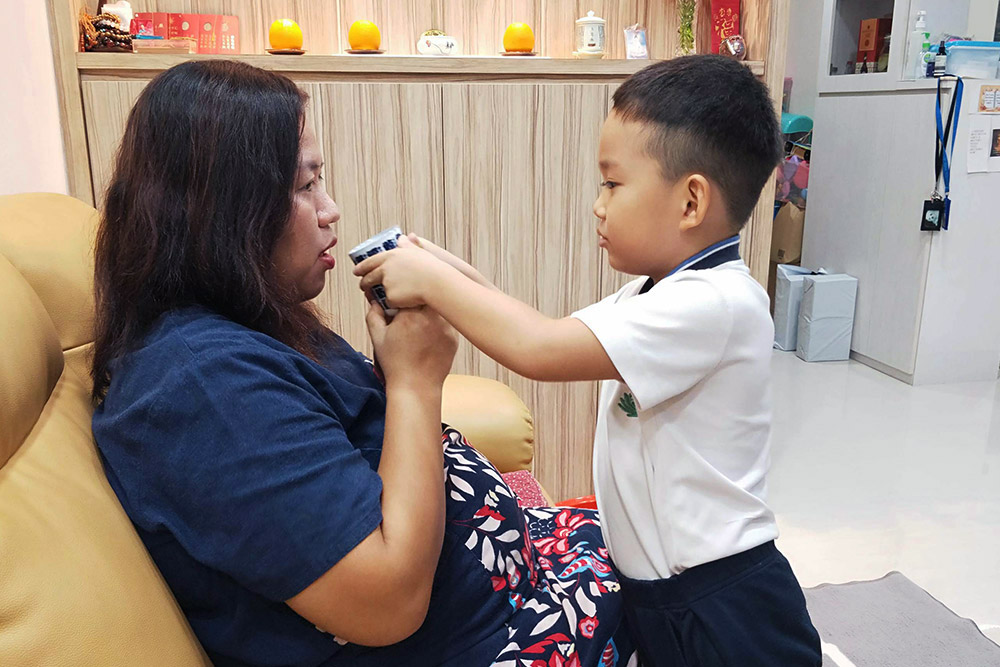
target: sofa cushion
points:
(49, 238)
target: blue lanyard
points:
(943, 152)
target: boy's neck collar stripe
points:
(711, 251)
(714, 255)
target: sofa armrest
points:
(493, 419)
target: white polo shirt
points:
(681, 449)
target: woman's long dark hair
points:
(201, 193)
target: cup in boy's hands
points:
(384, 241)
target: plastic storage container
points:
(975, 60)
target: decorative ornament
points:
(734, 46)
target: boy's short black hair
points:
(707, 115)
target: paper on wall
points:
(984, 144)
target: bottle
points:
(883, 60)
(940, 60)
(919, 44)
(864, 65)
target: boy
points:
(681, 448)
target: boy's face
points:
(639, 211)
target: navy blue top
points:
(249, 470)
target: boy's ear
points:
(697, 193)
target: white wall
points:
(32, 158)
(960, 322)
(804, 26)
(982, 19)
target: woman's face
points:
(301, 255)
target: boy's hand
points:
(406, 274)
(464, 267)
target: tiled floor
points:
(871, 475)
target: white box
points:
(787, 297)
(826, 317)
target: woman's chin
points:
(313, 289)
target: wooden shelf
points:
(382, 66)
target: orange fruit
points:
(285, 34)
(519, 38)
(364, 36)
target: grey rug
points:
(892, 622)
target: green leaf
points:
(627, 405)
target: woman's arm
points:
(378, 594)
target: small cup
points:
(384, 241)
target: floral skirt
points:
(551, 563)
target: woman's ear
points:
(697, 194)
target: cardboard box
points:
(787, 301)
(786, 234)
(725, 21)
(826, 317)
(870, 41)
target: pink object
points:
(526, 488)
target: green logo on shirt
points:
(627, 404)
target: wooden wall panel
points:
(382, 144)
(108, 104)
(479, 25)
(63, 18)
(519, 194)
(755, 24)
(765, 27)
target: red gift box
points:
(142, 24)
(229, 35)
(211, 33)
(871, 40)
(725, 21)
(208, 35)
(160, 24)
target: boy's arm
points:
(511, 332)
(463, 267)
(518, 336)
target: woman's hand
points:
(406, 274)
(359, 599)
(418, 345)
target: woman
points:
(293, 502)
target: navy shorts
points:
(746, 610)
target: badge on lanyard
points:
(938, 207)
